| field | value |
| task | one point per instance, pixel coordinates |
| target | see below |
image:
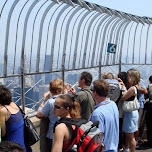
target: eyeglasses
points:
(57, 107)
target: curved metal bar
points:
(140, 42)
(49, 30)
(115, 30)
(17, 33)
(129, 41)
(103, 39)
(7, 36)
(64, 41)
(3, 8)
(118, 39)
(77, 38)
(33, 34)
(113, 38)
(22, 54)
(106, 55)
(146, 44)
(40, 34)
(134, 44)
(24, 32)
(84, 34)
(54, 34)
(110, 37)
(87, 38)
(66, 34)
(97, 33)
(72, 36)
(123, 34)
(118, 31)
(93, 31)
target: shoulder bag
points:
(129, 106)
(30, 134)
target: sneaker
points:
(120, 150)
(125, 150)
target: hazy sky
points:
(135, 7)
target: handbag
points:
(30, 134)
(129, 106)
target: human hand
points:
(47, 96)
(73, 91)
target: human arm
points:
(143, 89)
(46, 97)
(2, 122)
(130, 92)
(68, 89)
(58, 138)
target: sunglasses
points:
(57, 107)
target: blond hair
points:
(135, 76)
(56, 86)
(108, 75)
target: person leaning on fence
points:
(106, 112)
(64, 106)
(46, 108)
(12, 122)
(84, 96)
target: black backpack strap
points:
(119, 97)
(85, 90)
(23, 113)
(70, 121)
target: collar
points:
(56, 96)
(86, 87)
(102, 103)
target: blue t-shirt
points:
(141, 97)
(47, 111)
(106, 113)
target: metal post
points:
(63, 77)
(100, 70)
(22, 89)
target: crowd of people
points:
(102, 102)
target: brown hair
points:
(101, 87)
(73, 104)
(135, 76)
(5, 95)
(87, 76)
(56, 86)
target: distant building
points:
(42, 90)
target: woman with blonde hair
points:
(130, 120)
(64, 106)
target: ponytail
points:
(73, 104)
(75, 111)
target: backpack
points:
(114, 89)
(86, 137)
